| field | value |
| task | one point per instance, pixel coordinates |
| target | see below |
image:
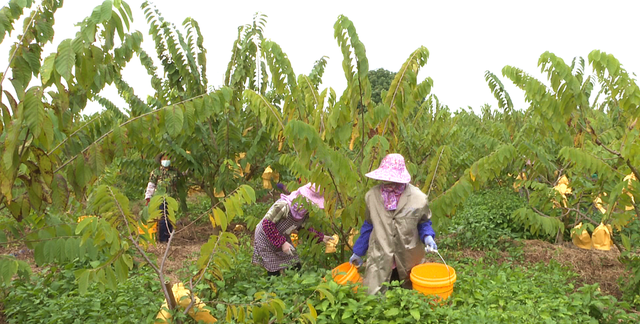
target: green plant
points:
(630, 284)
(485, 220)
(52, 296)
(486, 291)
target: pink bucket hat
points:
(308, 191)
(392, 168)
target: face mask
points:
(165, 163)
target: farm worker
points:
(273, 248)
(163, 180)
(397, 222)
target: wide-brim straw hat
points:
(309, 191)
(392, 168)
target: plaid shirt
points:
(166, 181)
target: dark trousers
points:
(394, 275)
(164, 225)
(297, 266)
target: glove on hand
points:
(430, 244)
(288, 248)
(356, 260)
(327, 239)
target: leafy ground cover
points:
(501, 278)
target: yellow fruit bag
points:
(602, 237)
(583, 240)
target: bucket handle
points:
(443, 261)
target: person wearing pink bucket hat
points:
(273, 248)
(397, 222)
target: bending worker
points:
(273, 248)
(397, 222)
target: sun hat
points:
(308, 191)
(392, 168)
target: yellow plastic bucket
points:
(346, 273)
(433, 279)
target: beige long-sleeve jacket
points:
(394, 235)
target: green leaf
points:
(121, 270)
(71, 248)
(83, 280)
(105, 11)
(65, 59)
(249, 194)
(625, 242)
(112, 282)
(38, 253)
(84, 224)
(59, 192)
(8, 268)
(392, 312)
(34, 110)
(96, 160)
(415, 314)
(173, 119)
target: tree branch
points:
(122, 125)
(24, 32)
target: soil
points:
(592, 266)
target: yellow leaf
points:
(213, 221)
(472, 176)
(221, 218)
(354, 135)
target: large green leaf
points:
(65, 59)
(173, 120)
(34, 110)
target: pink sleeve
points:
(272, 233)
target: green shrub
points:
(486, 291)
(485, 220)
(630, 257)
(52, 297)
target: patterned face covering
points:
(391, 193)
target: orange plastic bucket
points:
(433, 279)
(346, 273)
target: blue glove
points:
(430, 244)
(356, 260)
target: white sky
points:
(464, 38)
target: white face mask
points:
(165, 163)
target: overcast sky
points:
(464, 38)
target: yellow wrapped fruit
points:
(331, 245)
(583, 240)
(267, 175)
(599, 206)
(602, 237)
(182, 296)
(630, 177)
(563, 188)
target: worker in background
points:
(163, 180)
